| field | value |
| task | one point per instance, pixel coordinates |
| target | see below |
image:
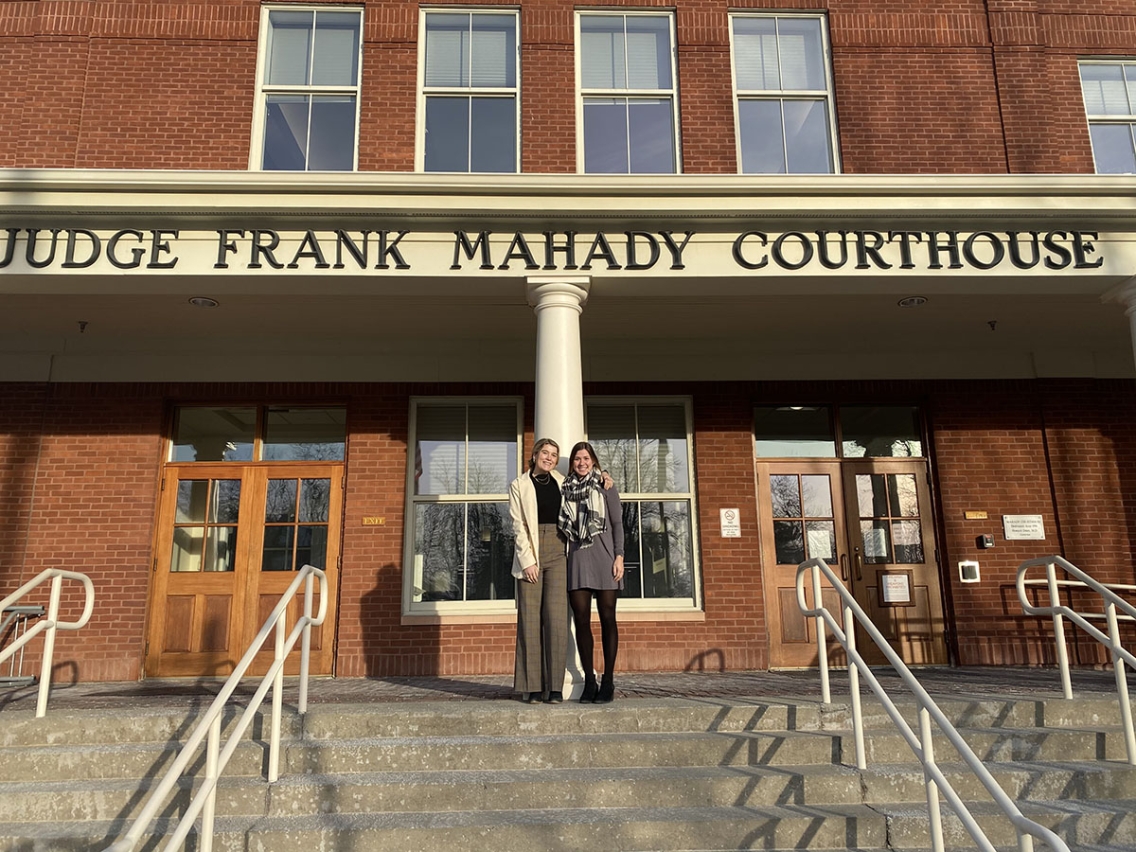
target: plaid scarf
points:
(582, 510)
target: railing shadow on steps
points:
(208, 728)
(929, 715)
(49, 625)
(1111, 601)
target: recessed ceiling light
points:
(912, 301)
(203, 302)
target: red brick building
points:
(839, 279)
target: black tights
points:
(581, 600)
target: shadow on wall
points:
(389, 648)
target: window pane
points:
(648, 52)
(492, 449)
(494, 51)
(447, 49)
(908, 539)
(304, 434)
(278, 546)
(332, 145)
(280, 502)
(220, 549)
(755, 54)
(447, 134)
(611, 430)
(286, 133)
(439, 536)
(785, 496)
(336, 61)
(762, 136)
(816, 493)
(605, 136)
(603, 63)
(490, 549)
(1105, 90)
(315, 500)
(789, 542)
(493, 146)
(226, 501)
(633, 558)
(439, 458)
(651, 136)
(188, 545)
(289, 42)
(1114, 148)
(213, 434)
(806, 137)
(904, 497)
(311, 547)
(191, 501)
(793, 432)
(872, 495)
(880, 431)
(662, 449)
(876, 542)
(802, 54)
(659, 552)
(820, 541)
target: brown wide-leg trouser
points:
(542, 620)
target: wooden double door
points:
(230, 538)
(871, 520)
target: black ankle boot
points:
(606, 693)
(590, 689)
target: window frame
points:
(424, 92)
(828, 97)
(694, 603)
(264, 90)
(463, 610)
(1093, 119)
(627, 93)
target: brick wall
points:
(946, 89)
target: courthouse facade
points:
(289, 283)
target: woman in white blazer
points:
(540, 567)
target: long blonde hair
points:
(538, 446)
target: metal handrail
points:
(216, 758)
(1112, 602)
(929, 712)
(16, 619)
(49, 625)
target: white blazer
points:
(522, 509)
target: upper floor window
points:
(783, 100)
(1110, 105)
(626, 73)
(468, 79)
(308, 99)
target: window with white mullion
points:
(627, 100)
(468, 116)
(1109, 90)
(783, 94)
(307, 113)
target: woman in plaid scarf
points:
(591, 518)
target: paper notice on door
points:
(821, 545)
(876, 544)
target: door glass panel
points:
(817, 493)
(311, 546)
(880, 431)
(904, 497)
(789, 540)
(205, 531)
(820, 540)
(785, 495)
(315, 500)
(872, 495)
(213, 434)
(793, 431)
(883, 499)
(280, 504)
(908, 539)
(877, 545)
(277, 555)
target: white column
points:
(558, 302)
(1125, 293)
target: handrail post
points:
(822, 642)
(277, 699)
(933, 807)
(212, 774)
(49, 646)
(1059, 630)
(854, 688)
(305, 645)
(1121, 683)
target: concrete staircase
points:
(642, 774)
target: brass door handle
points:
(859, 566)
(844, 567)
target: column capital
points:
(566, 291)
(1125, 293)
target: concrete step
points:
(998, 745)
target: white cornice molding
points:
(1017, 200)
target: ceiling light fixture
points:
(203, 302)
(912, 301)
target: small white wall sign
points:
(731, 523)
(1023, 528)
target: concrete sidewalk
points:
(975, 683)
